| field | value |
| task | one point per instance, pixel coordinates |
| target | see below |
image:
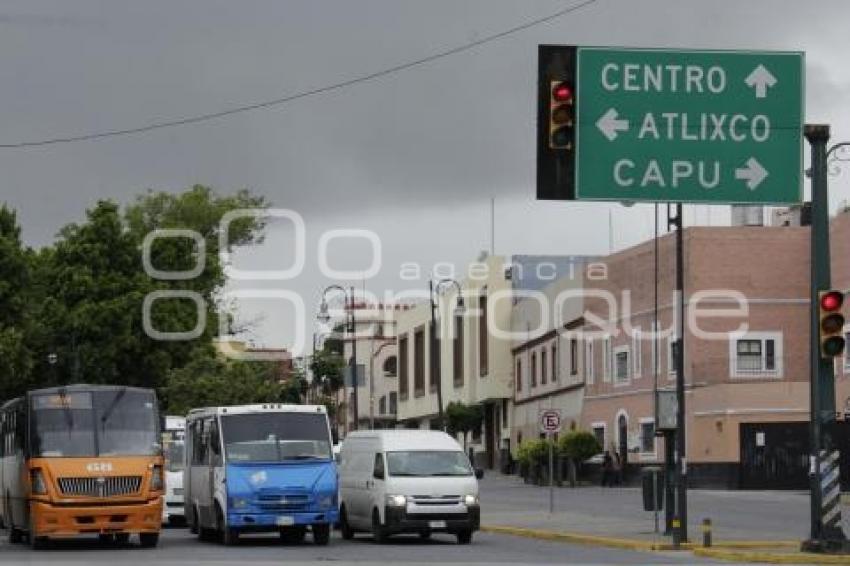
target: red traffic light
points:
(831, 301)
(562, 92)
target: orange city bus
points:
(81, 459)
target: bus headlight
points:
(396, 500)
(470, 500)
(156, 478)
(38, 485)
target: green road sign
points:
(689, 126)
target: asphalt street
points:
(177, 546)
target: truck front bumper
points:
(273, 522)
(398, 520)
(71, 520)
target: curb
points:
(770, 557)
(732, 548)
(578, 538)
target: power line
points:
(304, 94)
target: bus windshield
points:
(276, 437)
(119, 422)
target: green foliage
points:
(208, 381)
(533, 452)
(579, 445)
(328, 368)
(463, 419)
(72, 312)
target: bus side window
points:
(199, 453)
(215, 444)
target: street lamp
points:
(459, 310)
(324, 317)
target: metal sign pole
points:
(551, 473)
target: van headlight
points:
(396, 500)
(470, 500)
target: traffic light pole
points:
(826, 533)
(680, 454)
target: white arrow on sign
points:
(609, 125)
(752, 172)
(761, 79)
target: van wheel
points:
(344, 525)
(322, 534)
(464, 537)
(378, 531)
(15, 535)
(148, 540)
(425, 535)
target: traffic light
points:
(561, 116)
(557, 99)
(831, 323)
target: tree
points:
(463, 419)
(208, 380)
(91, 287)
(15, 320)
(577, 446)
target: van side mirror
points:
(378, 474)
(479, 474)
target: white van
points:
(407, 481)
(173, 446)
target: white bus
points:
(260, 468)
(173, 448)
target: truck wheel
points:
(345, 526)
(464, 537)
(378, 530)
(322, 534)
(148, 540)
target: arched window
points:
(390, 366)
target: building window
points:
(504, 413)
(647, 436)
(419, 362)
(457, 357)
(519, 375)
(573, 356)
(382, 405)
(607, 370)
(637, 352)
(554, 354)
(533, 369)
(599, 433)
(756, 354)
(483, 336)
(588, 360)
(393, 403)
(672, 355)
(390, 367)
(403, 383)
(621, 365)
(435, 357)
(544, 367)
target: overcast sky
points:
(414, 156)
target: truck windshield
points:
(417, 463)
(118, 422)
(276, 437)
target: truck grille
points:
(100, 487)
(283, 502)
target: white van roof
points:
(398, 440)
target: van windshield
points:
(418, 463)
(276, 437)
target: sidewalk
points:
(618, 512)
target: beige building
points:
(547, 361)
